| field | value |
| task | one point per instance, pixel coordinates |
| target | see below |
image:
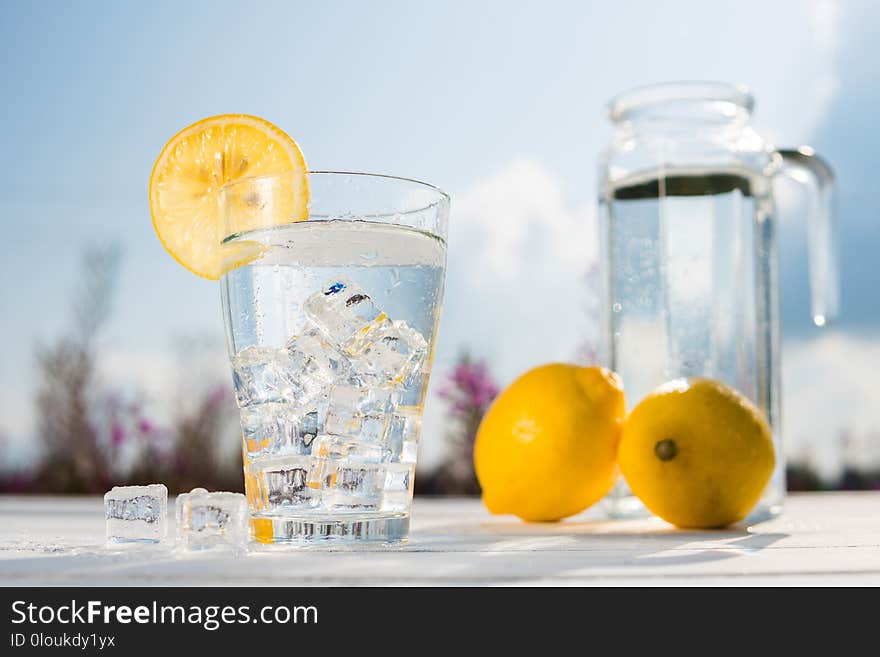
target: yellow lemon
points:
(198, 162)
(546, 447)
(697, 453)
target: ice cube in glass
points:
(358, 412)
(393, 354)
(345, 314)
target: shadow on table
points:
(620, 545)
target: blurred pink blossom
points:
(470, 388)
(117, 432)
(145, 427)
(218, 396)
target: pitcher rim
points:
(625, 103)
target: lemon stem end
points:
(666, 449)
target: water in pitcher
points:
(330, 330)
(691, 288)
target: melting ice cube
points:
(136, 514)
(211, 520)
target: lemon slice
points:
(193, 167)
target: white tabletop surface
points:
(821, 539)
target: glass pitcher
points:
(687, 249)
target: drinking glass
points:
(688, 249)
(330, 325)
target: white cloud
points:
(501, 217)
(518, 254)
(516, 289)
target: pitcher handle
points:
(805, 166)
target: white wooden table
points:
(821, 539)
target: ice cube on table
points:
(284, 484)
(394, 354)
(265, 375)
(346, 315)
(212, 520)
(358, 412)
(136, 514)
(276, 429)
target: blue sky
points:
(500, 103)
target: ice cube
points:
(346, 315)
(313, 356)
(398, 487)
(321, 474)
(284, 483)
(353, 485)
(358, 412)
(276, 429)
(211, 520)
(136, 514)
(402, 440)
(260, 376)
(265, 375)
(412, 391)
(409, 451)
(339, 447)
(394, 354)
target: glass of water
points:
(330, 325)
